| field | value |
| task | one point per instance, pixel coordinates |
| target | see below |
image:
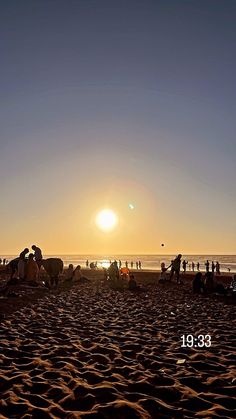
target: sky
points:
(111, 102)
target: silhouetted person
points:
(113, 272)
(87, 263)
(69, 272)
(32, 269)
(209, 282)
(131, 264)
(163, 274)
(217, 268)
(193, 266)
(213, 266)
(22, 263)
(198, 284)
(120, 264)
(198, 266)
(136, 265)
(37, 255)
(184, 264)
(139, 264)
(175, 268)
(0, 261)
(132, 284)
(207, 265)
(126, 264)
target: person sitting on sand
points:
(22, 264)
(78, 277)
(163, 274)
(32, 269)
(132, 284)
(77, 274)
(69, 272)
(209, 282)
(198, 284)
(175, 268)
(233, 284)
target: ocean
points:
(151, 262)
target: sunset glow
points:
(106, 220)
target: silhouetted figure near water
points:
(193, 266)
(131, 264)
(213, 266)
(217, 268)
(139, 264)
(87, 263)
(198, 266)
(120, 264)
(207, 265)
(175, 268)
(126, 264)
(184, 264)
(136, 265)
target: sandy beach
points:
(76, 353)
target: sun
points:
(106, 220)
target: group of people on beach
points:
(27, 267)
(215, 267)
(137, 264)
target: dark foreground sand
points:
(74, 353)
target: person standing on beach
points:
(193, 266)
(126, 264)
(139, 264)
(207, 264)
(21, 264)
(213, 267)
(87, 263)
(38, 257)
(198, 266)
(136, 265)
(120, 264)
(184, 263)
(217, 268)
(175, 268)
(131, 264)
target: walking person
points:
(175, 268)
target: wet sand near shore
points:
(76, 353)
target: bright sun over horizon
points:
(106, 220)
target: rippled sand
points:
(75, 353)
